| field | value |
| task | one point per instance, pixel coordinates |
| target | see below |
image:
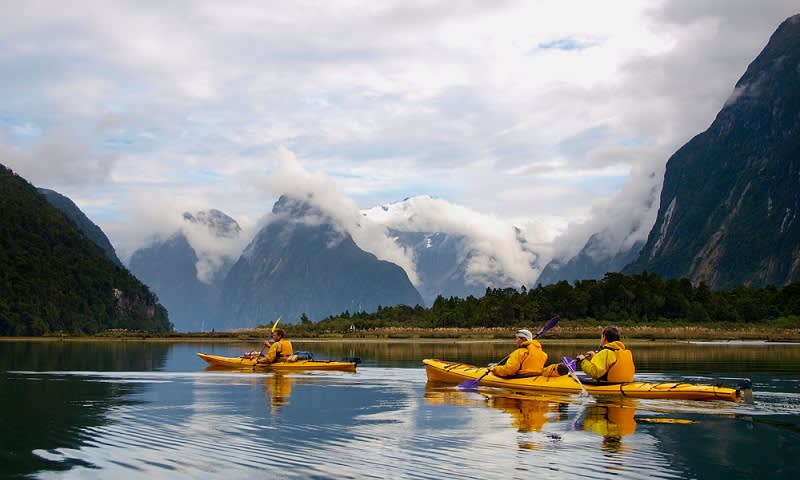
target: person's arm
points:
(599, 364)
(273, 352)
(512, 366)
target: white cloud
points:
(555, 112)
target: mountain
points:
(53, 278)
(441, 267)
(170, 268)
(591, 263)
(85, 225)
(301, 263)
(730, 201)
(454, 253)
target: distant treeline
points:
(617, 298)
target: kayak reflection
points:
(529, 413)
(277, 390)
(611, 419)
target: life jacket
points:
(279, 351)
(534, 359)
(623, 368)
(528, 359)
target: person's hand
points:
(267, 342)
(580, 358)
(588, 355)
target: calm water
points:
(152, 410)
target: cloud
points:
(292, 178)
(58, 160)
(184, 103)
(491, 245)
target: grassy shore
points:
(715, 332)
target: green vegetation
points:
(55, 279)
(644, 299)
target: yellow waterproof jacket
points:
(279, 351)
(613, 363)
(528, 359)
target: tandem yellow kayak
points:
(453, 372)
(244, 362)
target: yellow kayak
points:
(452, 372)
(217, 361)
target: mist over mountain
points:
(302, 262)
(730, 200)
(89, 228)
(457, 252)
(186, 277)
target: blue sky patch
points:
(568, 43)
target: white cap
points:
(526, 334)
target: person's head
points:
(523, 335)
(278, 334)
(610, 334)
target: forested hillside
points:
(55, 279)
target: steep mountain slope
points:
(54, 279)
(301, 263)
(89, 228)
(730, 201)
(591, 263)
(441, 265)
(170, 268)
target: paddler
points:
(527, 360)
(612, 362)
(279, 349)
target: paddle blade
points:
(469, 384)
(547, 326)
(275, 325)
(570, 363)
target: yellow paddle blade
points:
(275, 325)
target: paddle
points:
(571, 365)
(473, 383)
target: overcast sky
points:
(556, 116)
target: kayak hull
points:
(240, 363)
(452, 372)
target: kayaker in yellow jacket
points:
(280, 349)
(527, 359)
(612, 363)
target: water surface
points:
(144, 410)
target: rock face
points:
(170, 268)
(731, 196)
(89, 228)
(591, 263)
(301, 263)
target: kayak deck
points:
(234, 363)
(453, 372)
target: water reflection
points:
(277, 390)
(610, 419)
